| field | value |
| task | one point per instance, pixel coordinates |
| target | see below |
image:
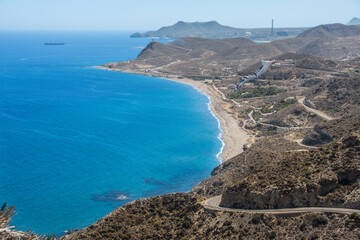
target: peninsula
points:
(215, 30)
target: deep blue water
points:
(73, 138)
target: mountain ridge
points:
(331, 31)
(213, 29)
(194, 56)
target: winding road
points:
(317, 112)
(213, 204)
(272, 125)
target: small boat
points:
(54, 43)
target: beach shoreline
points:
(232, 136)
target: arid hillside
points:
(200, 58)
(181, 216)
(331, 31)
(303, 118)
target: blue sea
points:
(77, 142)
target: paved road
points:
(317, 112)
(213, 204)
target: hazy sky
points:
(153, 14)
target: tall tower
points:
(272, 27)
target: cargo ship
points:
(54, 43)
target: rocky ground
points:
(181, 216)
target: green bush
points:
(353, 215)
(256, 115)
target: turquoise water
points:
(74, 138)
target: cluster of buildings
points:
(265, 65)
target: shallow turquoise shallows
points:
(77, 142)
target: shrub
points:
(319, 220)
(272, 235)
(353, 215)
(256, 219)
(186, 224)
(302, 227)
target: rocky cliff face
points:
(328, 176)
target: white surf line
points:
(210, 108)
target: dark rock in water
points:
(153, 181)
(110, 196)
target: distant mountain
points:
(331, 31)
(215, 30)
(186, 29)
(354, 21)
(193, 56)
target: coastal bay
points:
(233, 135)
(75, 137)
(179, 120)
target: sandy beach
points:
(232, 134)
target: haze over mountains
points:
(354, 21)
(220, 57)
(213, 29)
(331, 31)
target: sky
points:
(153, 14)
